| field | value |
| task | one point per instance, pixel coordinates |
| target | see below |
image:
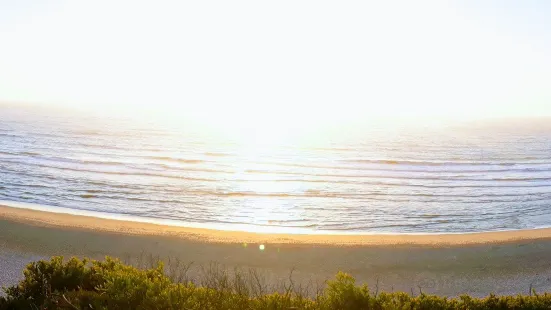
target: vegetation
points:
(111, 284)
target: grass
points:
(113, 284)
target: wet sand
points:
(448, 264)
(218, 236)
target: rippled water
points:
(456, 178)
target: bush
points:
(110, 284)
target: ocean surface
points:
(457, 177)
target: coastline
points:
(121, 226)
(499, 263)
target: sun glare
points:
(284, 69)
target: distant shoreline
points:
(121, 226)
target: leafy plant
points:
(111, 284)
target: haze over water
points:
(459, 177)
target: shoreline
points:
(442, 265)
(50, 218)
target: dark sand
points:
(479, 268)
(11, 265)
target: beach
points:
(445, 264)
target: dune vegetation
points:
(111, 284)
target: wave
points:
(176, 159)
(403, 177)
(323, 194)
(116, 133)
(93, 191)
(312, 193)
(137, 174)
(107, 161)
(544, 167)
(3, 134)
(66, 160)
(128, 148)
(34, 134)
(30, 153)
(409, 169)
(123, 198)
(407, 166)
(358, 182)
(129, 193)
(27, 185)
(216, 154)
(126, 191)
(439, 163)
(88, 132)
(352, 179)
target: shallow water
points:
(464, 177)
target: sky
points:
(267, 63)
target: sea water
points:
(450, 178)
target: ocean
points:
(453, 177)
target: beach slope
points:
(454, 264)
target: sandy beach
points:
(448, 264)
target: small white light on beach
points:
(261, 247)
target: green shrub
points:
(110, 284)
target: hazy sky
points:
(295, 59)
